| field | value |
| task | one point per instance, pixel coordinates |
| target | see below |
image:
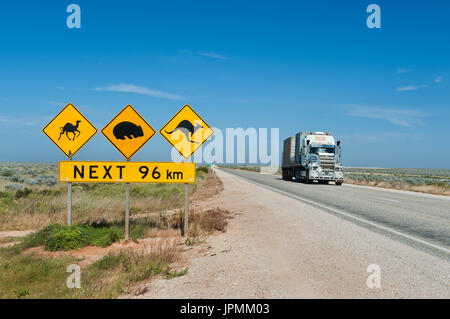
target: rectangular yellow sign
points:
(126, 172)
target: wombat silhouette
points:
(188, 129)
(70, 128)
(127, 129)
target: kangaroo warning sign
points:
(186, 131)
(70, 130)
(126, 172)
(128, 132)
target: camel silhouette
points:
(70, 128)
(188, 129)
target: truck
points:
(312, 156)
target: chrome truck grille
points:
(327, 162)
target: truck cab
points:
(316, 157)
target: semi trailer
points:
(310, 156)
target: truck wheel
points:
(307, 180)
(338, 183)
(297, 176)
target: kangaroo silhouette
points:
(188, 129)
(70, 128)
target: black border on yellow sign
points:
(73, 154)
(186, 105)
(154, 132)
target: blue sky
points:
(296, 65)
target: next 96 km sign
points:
(126, 172)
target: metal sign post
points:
(69, 200)
(186, 211)
(127, 213)
(69, 204)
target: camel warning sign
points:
(186, 131)
(128, 132)
(70, 130)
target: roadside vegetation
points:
(432, 181)
(35, 266)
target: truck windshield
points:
(317, 150)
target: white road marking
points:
(337, 211)
(389, 200)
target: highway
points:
(420, 220)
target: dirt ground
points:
(277, 247)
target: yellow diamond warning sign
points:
(186, 131)
(70, 130)
(128, 132)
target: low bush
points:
(22, 193)
(203, 169)
(5, 195)
(58, 237)
(49, 193)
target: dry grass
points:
(99, 202)
(210, 186)
(429, 189)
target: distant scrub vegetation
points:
(411, 176)
(30, 174)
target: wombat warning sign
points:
(128, 132)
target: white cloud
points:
(402, 70)
(408, 88)
(208, 54)
(439, 79)
(131, 88)
(214, 55)
(401, 117)
(411, 87)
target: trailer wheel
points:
(338, 183)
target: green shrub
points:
(66, 238)
(22, 193)
(21, 292)
(49, 193)
(203, 169)
(5, 195)
(58, 237)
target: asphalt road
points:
(420, 220)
